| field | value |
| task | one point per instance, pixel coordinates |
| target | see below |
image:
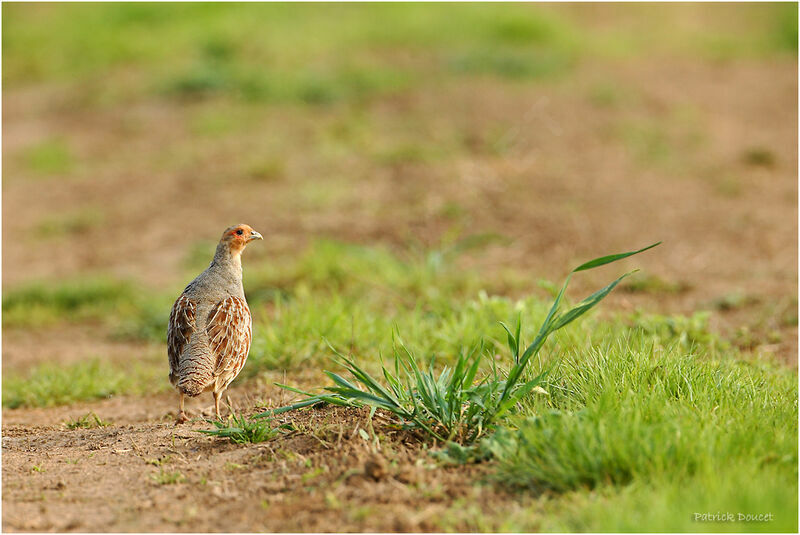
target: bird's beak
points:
(255, 236)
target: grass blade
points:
(585, 305)
(603, 260)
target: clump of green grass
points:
(48, 385)
(159, 461)
(759, 157)
(512, 64)
(241, 430)
(126, 309)
(50, 157)
(166, 477)
(653, 284)
(43, 303)
(448, 406)
(87, 421)
(686, 331)
(733, 301)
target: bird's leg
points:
(217, 396)
(181, 415)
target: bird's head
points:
(235, 238)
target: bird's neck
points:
(227, 258)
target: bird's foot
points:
(182, 418)
(209, 412)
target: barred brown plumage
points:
(229, 333)
(210, 326)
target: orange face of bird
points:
(238, 236)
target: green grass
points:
(49, 157)
(166, 477)
(450, 406)
(256, 52)
(123, 308)
(326, 54)
(48, 385)
(242, 430)
(653, 284)
(671, 505)
(41, 303)
(87, 421)
(629, 423)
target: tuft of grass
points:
(241, 430)
(448, 406)
(48, 385)
(43, 303)
(49, 157)
(653, 284)
(87, 421)
(124, 308)
(511, 64)
(160, 461)
(686, 331)
(759, 157)
(166, 477)
(733, 301)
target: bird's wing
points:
(229, 332)
(179, 332)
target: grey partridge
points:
(210, 327)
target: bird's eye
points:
(240, 232)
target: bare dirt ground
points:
(565, 190)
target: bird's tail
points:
(190, 387)
(195, 373)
